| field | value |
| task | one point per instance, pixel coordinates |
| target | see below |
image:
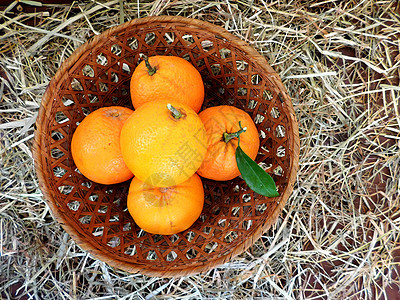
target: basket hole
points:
(85, 219)
(229, 80)
(85, 111)
(263, 134)
(114, 218)
(187, 57)
(56, 135)
(190, 236)
(117, 202)
(241, 65)
(211, 247)
(132, 43)
(88, 71)
(126, 69)
(216, 210)
(141, 233)
(246, 224)
(116, 49)
(152, 255)
(61, 117)
(222, 222)
(114, 242)
(246, 198)
(192, 253)
(127, 227)
(56, 153)
(114, 77)
(281, 151)
(76, 85)
(256, 79)
(74, 205)
(267, 95)
(98, 231)
(207, 230)
(65, 189)
(252, 104)
(275, 113)
(216, 69)
(188, 38)
(59, 172)
(131, 250)
(280, 131)
(102, 209)
(67, 102)
(150, 38)
(260, 208)
(93, 197)
(200, 62)
(231, 236)
(225, 53)
(207, 45)
(158, 238)
(87, 184)
(259, 118)
(103, 87)
(266, 167)
(169, 37)
(174, 238)
(242, 91)
(202, 218)
(221, 91)
(235, 211)
(278, 171)
(93, 98)
(102, 59)
(171, 256)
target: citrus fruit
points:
(165, 210)
(163, 143)
(222, 127)
(95, 145)
(167, 78)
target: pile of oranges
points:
(165, 145)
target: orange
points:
(222, 122)
(161, 149)
(165, 210)
(167, 78)
(95, 145)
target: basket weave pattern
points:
(97, 75)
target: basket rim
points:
(43, 179)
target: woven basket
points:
(97, 74)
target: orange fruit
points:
(95, 145)
(167, 78)
(160, 149)
(165, 210)
(220, 121)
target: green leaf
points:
(256, 178)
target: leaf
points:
(256, 178)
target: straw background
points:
(338, 236)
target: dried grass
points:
(338, 236)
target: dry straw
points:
(338, 234)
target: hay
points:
(338, 236)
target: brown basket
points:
(97, 74)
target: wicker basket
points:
(97, 74)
